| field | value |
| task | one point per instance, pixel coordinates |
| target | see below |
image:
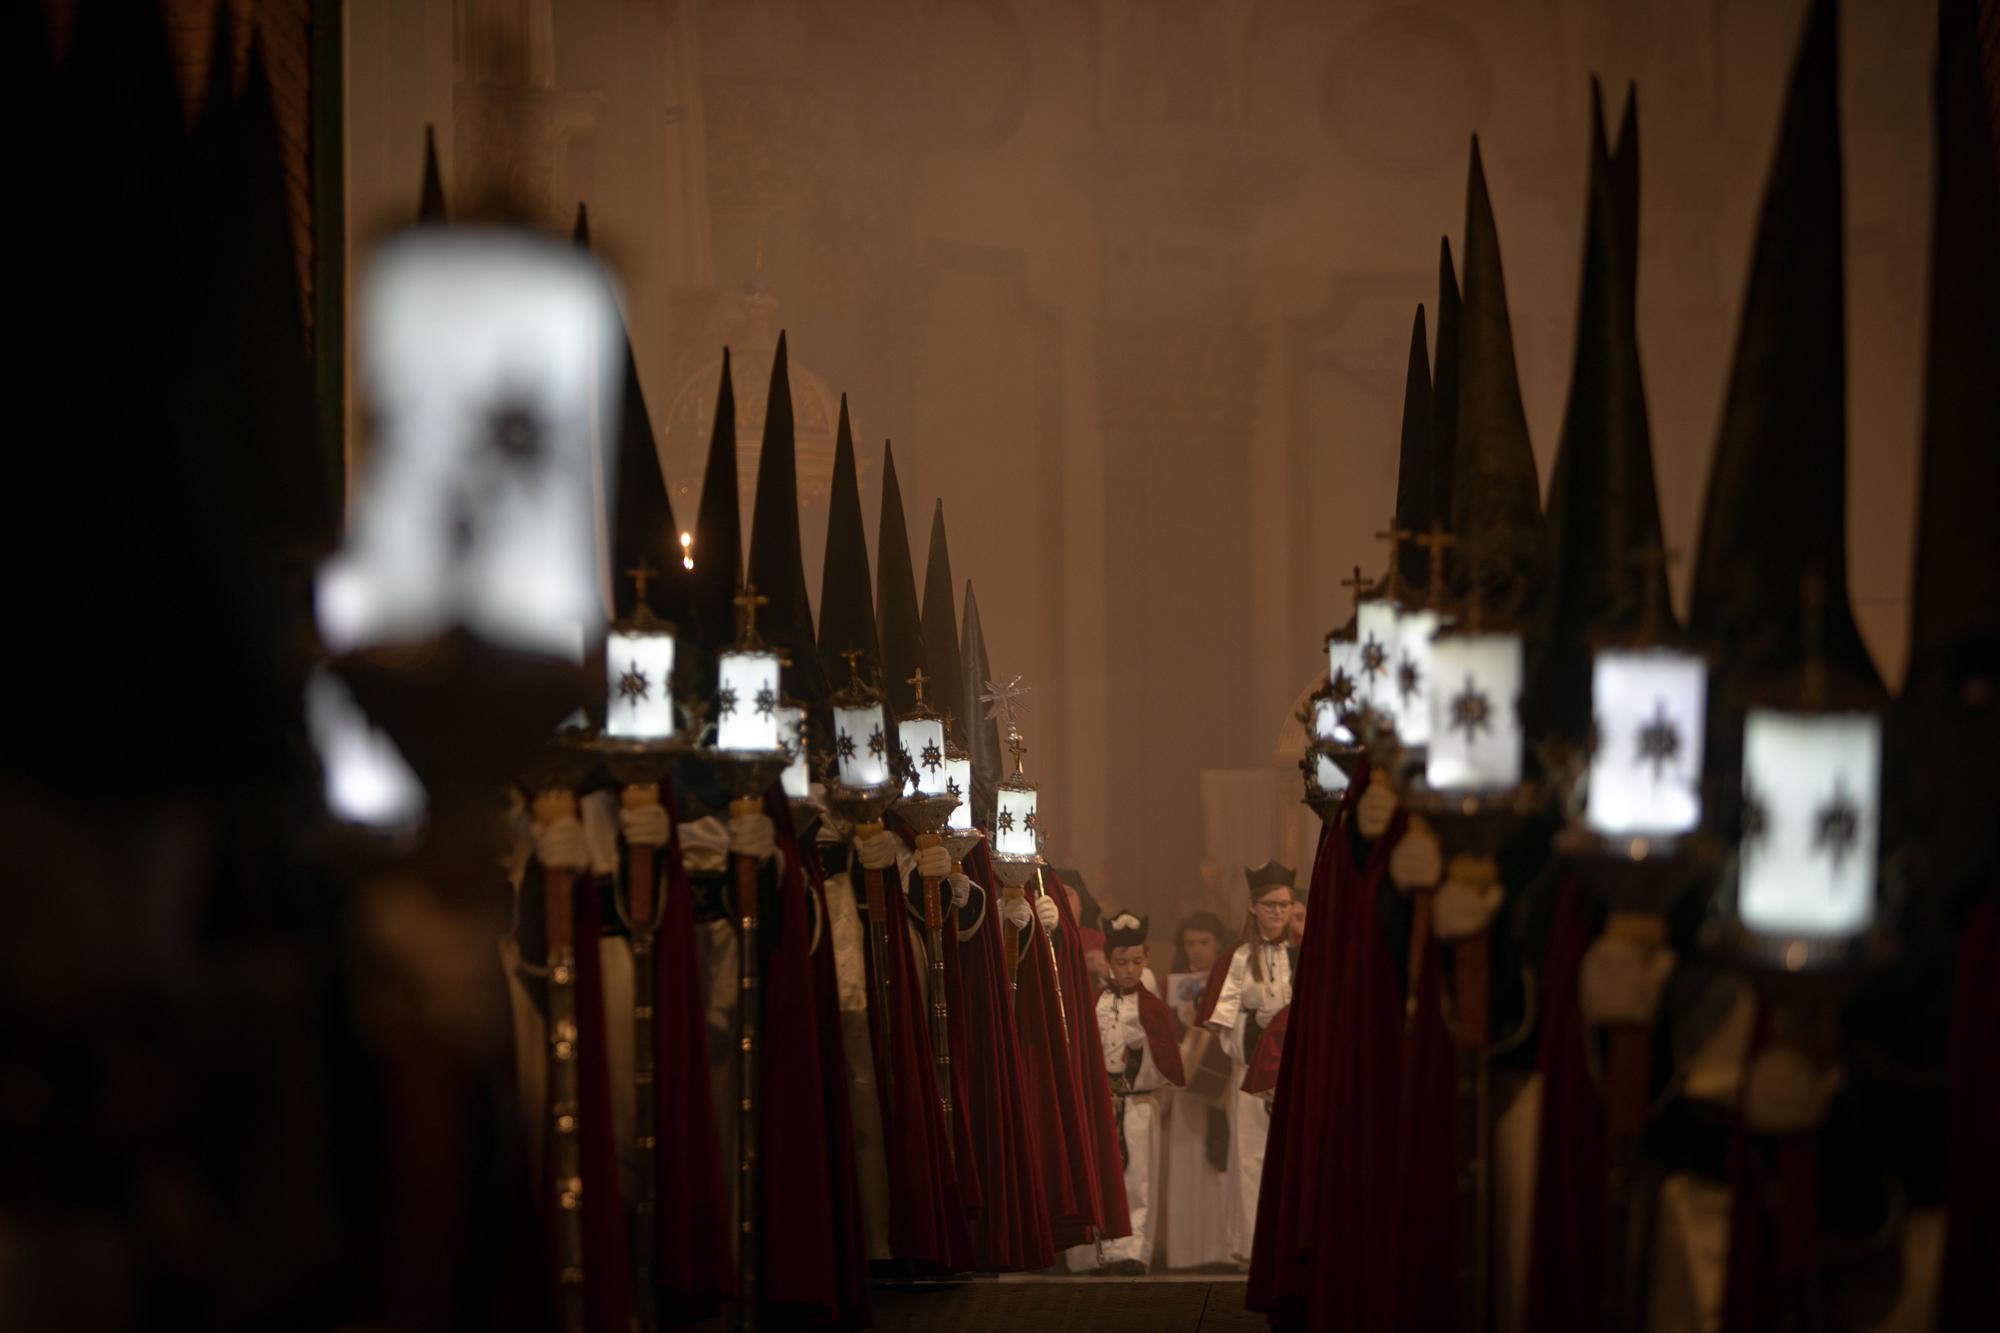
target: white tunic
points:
(1244, 997)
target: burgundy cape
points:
(1565, 1250)
(1091, 1191)
(1011, 1232)
(797, 1279)
(850, 1230)
(692, 1268)
(1971, 1289)
(1264, 1070)
(927, 1222)
(1161, 1038)
(1423, 1201)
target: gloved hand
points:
(648, 825)
(1464, 909)
(704, 846)
(877, 852)
(933, 862)
(961, 890)
(754, 836)
(1046, 913)
(1016, 913)
(1618, 982)
(1784, 1094)
(1131, 1032)
(1375, 809)
(1417, 861)
(559, 844)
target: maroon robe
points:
(1064, 1034)
(1011, 1233)
(692, 1268)
(1162, 1039)
(1566, 1248)
(607, 1270)
(1970, 1295)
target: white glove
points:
(1046, 913)
(648, 825)
(754, 836)
(1417, 861)
(933, 862)
(877, 852)
(1783, 1094)
(1016, 913)
(559, 844)
(1131, 1033)
(1463, 909)
(1259, 997)
(961, 890)
(1375, 809)
(704, 846)
(1618, 982)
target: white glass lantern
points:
(1014, 822)
(792, 734)
(958, 782)
(1375, 656)
(1475, 741)
(489, 362)
(861, 747)
(639, 671)
(746, 701)
(1332, 781)
(366, 779)
(1410, 676)
(1811, 802)
(1328, 729)
(922, 738)
(1650, 706)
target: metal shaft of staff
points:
(939, 1006)
(642, 919)
(1055, 978)
(748, 1013)
(875, 893)
(565, 1154)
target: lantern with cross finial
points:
(1649, 702)
(958, 783)
(1812, 768)
(746, 695)
(1017, 812)
(860, 732)
(1375, 632)
(921, 733)
(1413, 674)
(1475, 715)
(639, 670)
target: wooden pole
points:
(747, 1015)
(641, 909)
(940, 1014)
(874, 892)
(1628, 1094)
(1472, 967)
(565, 1154)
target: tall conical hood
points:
(1777, 491)
(846, 599)
(1604, 513)
(943, 662)
(982, 733)
(777, 565)
(1496, 498)
(1415, 489)
(718, 535)
(430, 201)
(896, 594)
(579, 232)
(1444, 387)
(1625, 193)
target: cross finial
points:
(1435, 543)
(1017, 746)
(641, 574)
(1357, 585)
(918, 681)
(747, 603)
(1394, 537)
(853, 656)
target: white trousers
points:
(1197, 1202)
(1250, 1128)
(1144, 1143)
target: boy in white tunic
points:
(1143, 1057)
(1257, 988)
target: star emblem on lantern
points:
(1659, 741)
(1006, 821)
(633, 685)
(766, 702)
(1837, 825)
(844, 743)
(725, 702)
(933, 757)
(1409, 679)
(1374, 657)
(1471, 711)
(514, 432)
(877, 747)
(1755, 822)
(1342, 687)
(951, 789)
(1029, 822)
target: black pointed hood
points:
(1603, 509)
(1496, 498)
(943, 662)
(982, 733)
(777, 564)
(1415, 488)
(1444, 387)
(896, 594)
(430, 201)
(579, 234)
(718, 535)
(1776, 511)
(846, 597)
(1625, 191)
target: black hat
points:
(430, 201)
(1126, 930)
(1444, 387)
(777, 564)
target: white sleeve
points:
(1107, 1033)
(1227, 1016)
